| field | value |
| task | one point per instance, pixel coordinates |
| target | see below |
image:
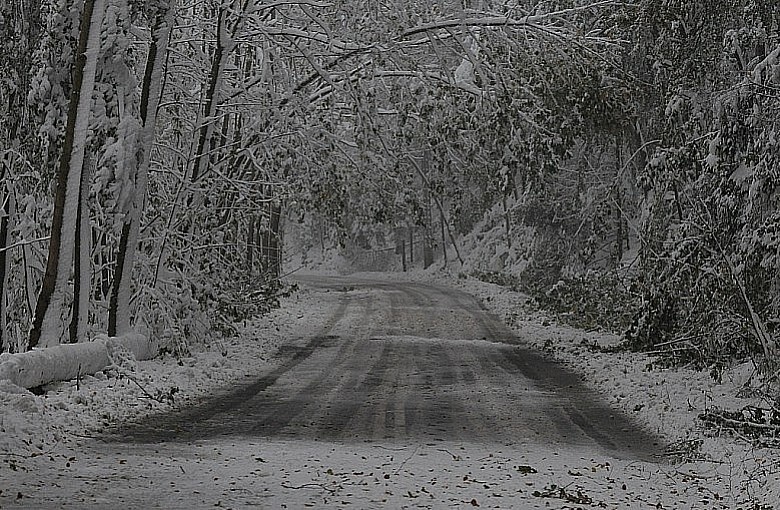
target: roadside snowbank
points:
(717, 472)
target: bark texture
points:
(6, 225)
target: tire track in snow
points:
(401, 361)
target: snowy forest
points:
(617, 160)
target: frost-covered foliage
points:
(50, 88)
(640, 151)
(485, 110)
(709, 263)
(215, 235)
(28, 110)
(27, 228)
(614, 152)
(667, 188)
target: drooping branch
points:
(439, 205)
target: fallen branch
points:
(553, 491)
(677, 341)
(308, 486)
(159, 399)
(398, 469)
(659, 352)
(754, 422)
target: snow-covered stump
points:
(70, 361)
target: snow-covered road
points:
(405, 361)
(406, 395)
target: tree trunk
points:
(411, 246)
(7, 211)
(618, 206)
(427, 251)
(428, 231)
(260, 245)
(222, 51)
(250, 246)
(64, 362)
(119, 304)
(103, 261)
(321, 229)
(81, 266)
(400, 245)
(443, 237)
(48, 324)
(272, 257)
(29, 281)
(507, 222)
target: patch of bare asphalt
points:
(404, 361)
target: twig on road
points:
(390, 449)
(454, 457)
(309, 486)
(398, 469)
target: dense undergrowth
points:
(592, 301)
(679, 331)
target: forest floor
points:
(50, 459)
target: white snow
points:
(31, 426)
(667, 401)
(53, 327)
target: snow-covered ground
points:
(34, 425)
(41, 435)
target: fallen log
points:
(70, 361)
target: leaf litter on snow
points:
(666, 401)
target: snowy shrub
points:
(593, 300)
(590, 301)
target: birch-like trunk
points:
(49, 321)
(119, 303)
(7, 211)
